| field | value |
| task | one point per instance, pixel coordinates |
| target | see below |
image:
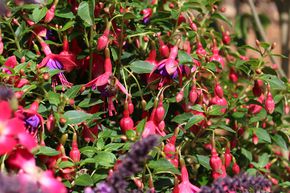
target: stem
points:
(15, 38)
(141, 92)
(263, 34)
(91, 53)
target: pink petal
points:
(171, 66)
(11, 62)
(66, 61)
(44, 61)
(99, 81)
(21, 159)
(51, 185)
(14, 126)
(7, 143)
(149, 129)
(121, 87)
(27, 140)
(5, 111)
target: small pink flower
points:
(49, 184)
(185, 186)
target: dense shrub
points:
(84, 80)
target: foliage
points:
(90, 78)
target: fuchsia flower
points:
(185, 186)
(216, 57)
(63, 61)
(12, 131)
(107, 83)
(147, 13)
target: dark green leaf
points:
(66, 164)
(275, 82)
(258, 117)
(73, 91)
(215, 110)
(263, 160)
(53, 98)
(88, 102)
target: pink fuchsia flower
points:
(147, 13)
(62, 61)
(49, 184)
(185, 186)
(12, 130)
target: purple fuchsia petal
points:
(33, 121)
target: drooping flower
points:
(62, 61)
(185, 186)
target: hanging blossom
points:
(107, 83)
(63, 61)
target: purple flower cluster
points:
(132, 163)
(5, 93)
(17, 184)
(240, 183)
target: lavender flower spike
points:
(132, 163)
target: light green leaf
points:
(141, 67)
(84, 180)
(75, 117)
(162, 165)
(262, 134)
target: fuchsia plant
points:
(84, 80)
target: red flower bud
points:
(236, 168)
(218, 90)
(104, 39)
(50, 13)
(75, 154)
(215, 161)
(226, 37)
(228, 156)
(269, 103)
(50, 123)
(160, 112)
(179, 96)
(286, 108)
(255, 139)
(257, 89)
(193, 95)
(233, 76)
(126, 123)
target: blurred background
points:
(274, 17)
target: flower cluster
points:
(239, 183)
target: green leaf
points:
(258, 117)
(215, 110)
(45, 150)
(278, 139)
(184, 58)
(67, 25)
(106, 159)
(38, 13)
(263, 160)
(275, 82)
(141, 67)
(162, 165)
(75, 117)
(221, 17)
(53, 98)
(88, 102)
(84, 180)
(73, 91)
(64, 14)
(129, 15)
(247, 154)
(140, 126)
(66, 164)
(182, 118)
(262, 134)
(252, 171)
(204, 161)
(226, 128)
(88, 151)
(84, 13)
(113, 146)
(193, 120)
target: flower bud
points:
(269, 103)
